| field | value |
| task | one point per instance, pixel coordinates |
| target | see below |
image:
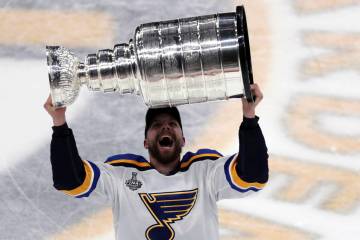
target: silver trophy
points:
(168, 63)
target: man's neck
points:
(165, 168)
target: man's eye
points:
(173, 124)
(156, 125)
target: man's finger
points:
(257, 93)
(258, 99)
(48, 107)
(49, 100)
(48, 104)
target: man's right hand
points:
(58, 115)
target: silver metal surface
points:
(174, 62)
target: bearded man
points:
(164, 196)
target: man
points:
(166, 197)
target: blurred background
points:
(306, 58)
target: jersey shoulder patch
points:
(201, 155)
(129, 160)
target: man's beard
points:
(165, 158)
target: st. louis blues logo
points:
(167, 208)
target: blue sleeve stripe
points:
(92, 174)
(207, 151)
(95, 180)
(128, 156)
(189, 156)
(235, 180)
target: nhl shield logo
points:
(133, 183)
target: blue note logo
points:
(166, 208)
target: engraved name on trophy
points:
(168, 63)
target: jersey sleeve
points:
(224, 182)
(105, 178)
(100, 179)
(73, 175)
(242, 173)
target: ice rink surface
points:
(306, 58)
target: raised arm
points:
(253, 157)
(67, 166)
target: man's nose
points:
(166, 126)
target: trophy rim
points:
(244, 51)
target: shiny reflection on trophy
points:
(168, 63)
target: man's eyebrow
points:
(155, 121)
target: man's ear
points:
(183, 143)
(146, 145)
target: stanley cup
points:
(168, 63)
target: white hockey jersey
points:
(149, 205)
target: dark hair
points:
(153, 112)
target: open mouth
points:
(166, 141)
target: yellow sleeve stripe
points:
(192, 159)
(85, 186)
(235, 178)
(129, 161)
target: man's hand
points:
(249, 107)
(58, 115)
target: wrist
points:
(249, 123)
(250, 114)
(59, 122)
